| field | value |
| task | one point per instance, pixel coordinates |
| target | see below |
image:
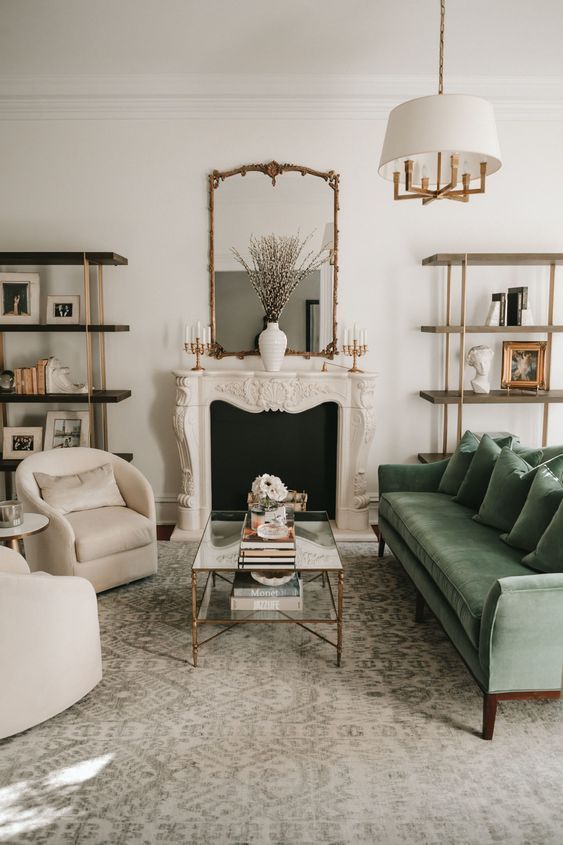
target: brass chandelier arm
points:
(448, 192)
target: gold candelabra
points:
(198, 348)
(356, 350)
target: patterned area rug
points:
(268, 742)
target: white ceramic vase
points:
(272, 344)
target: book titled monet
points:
(248, 594)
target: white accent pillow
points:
(95, 488)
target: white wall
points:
(139, 188)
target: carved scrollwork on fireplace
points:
(272, 394)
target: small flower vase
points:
(275, 514)
(272, 344)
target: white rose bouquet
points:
(269, 490)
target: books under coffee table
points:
(317, 570)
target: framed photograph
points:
(20, 442)
(19, 297)
(67, 429)
(62, 309)
(523, 364)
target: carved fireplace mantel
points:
(284, 391)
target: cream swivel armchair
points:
(107, 545)
(49, 643)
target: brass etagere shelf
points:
(459, 396)
(93, 307)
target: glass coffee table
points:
(318, 563)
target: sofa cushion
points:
(93, 488)
(548, 557)
(108, 531)
(508, 488)
(459, 462)
(474, 485)
(463, 558)
(545, 496)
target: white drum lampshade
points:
(448, 123)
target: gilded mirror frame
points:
(273, 170)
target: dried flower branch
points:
(275, 273)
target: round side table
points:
(32, 524)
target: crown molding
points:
(271, 97)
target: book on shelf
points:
(248, 594)
(251, 540)
(31, 380)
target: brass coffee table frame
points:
(337, 607)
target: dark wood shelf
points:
(432, 457)
(50, 258)
(494, 259)
(12, 465)
(99, 397)
(495, 397)
(61, 327)
(492, 329)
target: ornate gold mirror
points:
(303, 202)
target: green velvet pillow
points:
(508, 488)
(459, 462)
(548, 557)
(545, 496)
(474, 486)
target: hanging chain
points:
(441, 65)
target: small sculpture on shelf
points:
(480, 358)
(57, 379)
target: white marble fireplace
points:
(256, 392)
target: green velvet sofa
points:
(504, 618)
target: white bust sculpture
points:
(57, 379)
(480, 358)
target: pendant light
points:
(436, 146)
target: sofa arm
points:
(411, 478)
(53, 549)
(521, 639)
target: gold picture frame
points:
(523, 364)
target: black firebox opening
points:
(299, 448)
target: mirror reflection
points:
(250, 205)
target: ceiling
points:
(363, 37)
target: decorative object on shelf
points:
(523, 364)
(7, 381)
(355, 344)
(197, 341)
(19, 297)
(19, 442)
(480, 358)
(62, 309)
(67, 429)
(430, 137)
(31, 381)
(516, 302)
(274, 273)
(497, 310)
(57, 379)
(11, 513)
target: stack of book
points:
(256, 550)
(31, 379)
(248, 594)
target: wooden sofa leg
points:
(419, 607)
(381, 550)
(490, 701)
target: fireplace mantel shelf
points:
(259, 391)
